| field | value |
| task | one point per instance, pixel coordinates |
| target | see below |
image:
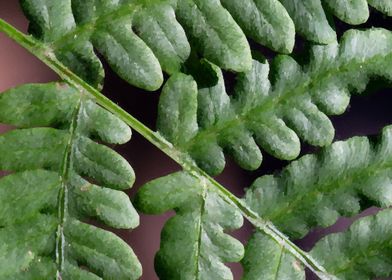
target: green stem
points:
(45, 54)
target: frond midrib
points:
(62, 201)
(200, 232)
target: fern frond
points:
(265, 21)
(268, 260)
(363, 252)
(311, 20)
(383, 6)
(194, 244)
(137, 37)
(317, 189)
(45, 199)
(214, 33)
(206, 121)
(141, 38)
(192, 192)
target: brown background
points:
(367, 115)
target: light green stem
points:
(46, 55)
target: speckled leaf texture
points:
(268, 260)
(265, 21)
(194, 243)
(342, 180)
(317, 189)
(272, 108)
(60, 178)
(312, 21)
(137, 38)
(363, 252)
(141, 38)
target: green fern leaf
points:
(317, 189)
(194, 244)
(352, 12)
(357, 12)
(363, 252)
(45, 199)
(265, 21)
(140, 38)
(268, 260)
(383, 6)
(137, 37)
(52, 151)
(311, 21)
(215, 34)
(72, 37)
(205, 121)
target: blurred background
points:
(366, 116)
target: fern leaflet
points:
(362, 252)
(194, 244)
(48, 155)
(317, 189)
(205, 121)
(267, 259)
(198, 120)
(312, 21)
(144, 36)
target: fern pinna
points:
(45, 197)
(61, 176)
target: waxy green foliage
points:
(194, 244)
(273, 108)
(45, 199)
